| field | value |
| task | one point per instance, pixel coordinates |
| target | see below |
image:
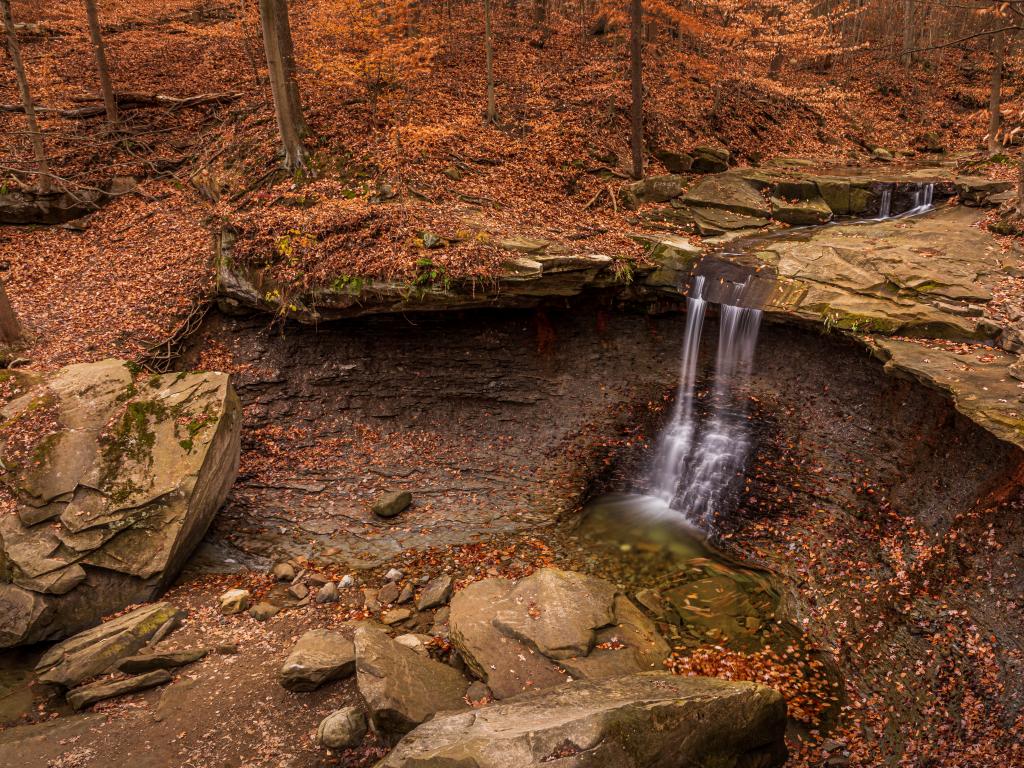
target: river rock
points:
(147, 662)
(636, 721)
(283, 572)
(328, 593)
(534, 634)
(264, 610)
(392, 503)
(437, 592)
(389, 593)
(114, 497)
(234, 601)
(344, 728)
(318, 657)
(97, 650)
(87, 695)
(401, 688)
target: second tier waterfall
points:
(696, 461)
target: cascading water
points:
(922, 200)
(677, 438)
(885, 203)
(694, 467)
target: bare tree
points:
(492, 112)
(277, 41)
(106, 88)
(636, 80)
(42, 166)
(995, 93)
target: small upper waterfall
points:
(885, 204)
(922, 200)
(695, 463)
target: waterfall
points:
(922, 200)
(677, 438)
(694, 467)
(885, 204)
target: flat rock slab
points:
(87, 695)
(317, 658)
(99, 649)
(401, 688)
(731, 192)
(652, 719)
(147, 662)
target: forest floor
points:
(421, 161)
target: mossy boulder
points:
(113, 477)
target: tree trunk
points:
(277, 43)
(908, 31)
(492, 112)
(106, 88)
(636, 139)
(996, 92)
(288, 59)
(775, 65)
(10, 329)
(42, 166)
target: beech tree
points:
(636, 133)
(277, 42)
(10, 328)
(492, 112)
(42, 166)
(99, 50)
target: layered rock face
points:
(114, 481)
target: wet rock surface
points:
(624, 722)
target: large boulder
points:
(652, 719)
(400, 687)
(111, 481)
(548, 627)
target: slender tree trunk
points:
(42, 166)
(636, 138)
(492, 111)
(908, 31)
(106, 88)
(290, 123)
(10, 328)
(995, 94)
(288, 59)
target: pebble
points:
(406, 594)
(393, 575)
(346, 581)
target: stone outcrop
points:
(635, 721)
(400, 687)
(57, 207)
(100, 649)
(549, 627)
(115, 479)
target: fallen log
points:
(131, 100)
